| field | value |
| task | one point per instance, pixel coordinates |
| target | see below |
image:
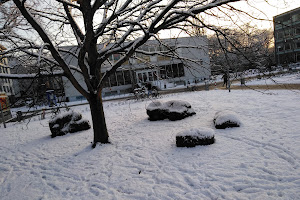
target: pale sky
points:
(263, 9)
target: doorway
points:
(146, 76)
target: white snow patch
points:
(178, 106)
(225, 116)
(155, 105)
(293, 78)
(171, 106)
(200, 133)
(259, 160)
(64, 114)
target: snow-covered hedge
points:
(193, 137)
(172, 110)
(225, 119)
(68, 122)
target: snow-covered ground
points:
(259, 160)
(293, 78)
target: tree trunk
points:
(98, 118)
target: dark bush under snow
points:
(68, 122)
(194, 137)
(226, 119)
(172, 110)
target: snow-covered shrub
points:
(68, 122)
(156, 111)
(178, 110)
(172, 110)
(225, 119)
(79, 125)
(193, 137)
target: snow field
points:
(293, 78)
(259, 160)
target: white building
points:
(192, 65)
(6, 85)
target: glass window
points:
(163, 72)
(288, 33)
(181, 69)
(113, 81)
(145, 77)
(120, 78)
(297, 30)
(150, 75)
(296, 17)
(140, 77)
(298, 57)
(127, 77)
(287, 46)
(287, 22)
(175, 70)
(169, 71)
(279, 35)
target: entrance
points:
(146, 76)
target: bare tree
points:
(120, 26)
(241, 49)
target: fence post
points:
(2, 115)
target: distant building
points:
(161, 70)
(287, 37)
(34, 88)
(6, 85)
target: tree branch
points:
(51, 47)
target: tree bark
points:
(98, 119)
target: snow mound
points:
(155, 105)
(68, 116)
(225, 119)
(193, 137)
(68, 122)
(178, 106)
(172, 110)
(197, 133)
